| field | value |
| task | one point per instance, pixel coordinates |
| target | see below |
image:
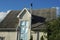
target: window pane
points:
(22, 23)
(26, 24)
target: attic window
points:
(21, 16)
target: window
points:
(1, 38)
(23, 25)
(24, 28)
(20, 39)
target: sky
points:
(6, 5)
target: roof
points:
(38, 23)
(11, 20)
(41, 16)
(38, 18)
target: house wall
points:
(35, 35)
(9, 35)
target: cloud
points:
(3, 15)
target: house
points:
(10, 27)
(22, 25)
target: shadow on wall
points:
(36, 19)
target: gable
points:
(24, 14)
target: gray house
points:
(21, 25)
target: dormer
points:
(24, 24)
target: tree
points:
(42, 38)
(53, 29)
(31, 37)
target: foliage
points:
(31, 38)
(53, 29)
(42, 38)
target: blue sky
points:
(6, 5)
